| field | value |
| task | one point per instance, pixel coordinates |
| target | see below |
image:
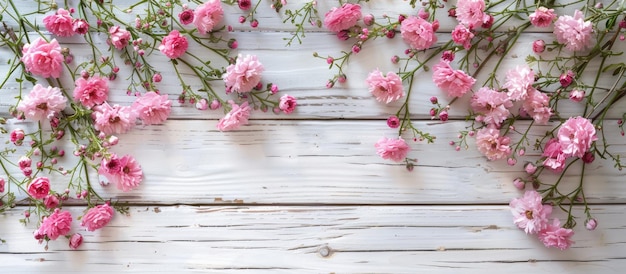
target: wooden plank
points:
(337, 239)
(269, 162)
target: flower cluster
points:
(61, 100)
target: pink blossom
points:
(51, 201)
(60, 23)
(92, 91)
(24, 162)
(462, 36)
(386, 88)
(344, 17)
(244, 4)
(542, 17)
(392, 149)
(418, 33)
(566, 78)
(57, 224)
(556, 236)
(2, 182)
(17, 136)
(577, 95)
(236, 117)
(576, 136)
(518, 81)
(206, 16)
(152, 108)
(287, 103)
(574, 32)
(393, 121)
(529, 213)
(591, 224)
(539, 46)
(42, 103)
(76, 240)
(491, 144)
(124, 172)
(453, 82)
(530, 168)
(244, 74)
(186, 17)
(39, 187)
(119, 37)
(537, 105)
(97, 217)
(42, 58)
(555, 158)
(493, 106)
(471, 13)
(113, 119)
(80, 26)
(174, 45)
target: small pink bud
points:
(433, 112)
(591, 224)
(368, 19)
(157, 77)
(511, 161)
(433, 100)
(519, 184)
(393, 121)
(576, 95)
(274, 89)
(215, 104)
(242, 19)
(521, 152)
(588, 157)
(530, 168)
(76, 240)
(539, 46)
(452, 12)
(423, 14)
(202, 104)
(395, 59)
(443, 116)
(567, 78)
(356, 49)
(254, 23)
(27, 213)
(330, 60)
(233, 44)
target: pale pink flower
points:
(344, 17)
(418, 33)
(471, 13)
(124, 172)
(119, 37)
(462, 36)
(529, 213)
(542, 17)
(453, 82)
(576, 136)
(42, 103)
(491, 144)
(207, 15)
(92, 91)
(577, 95)
(152, 108)
(113, 119)
(287, 103)
(57, 224)
(236, 117)
(39, 188)
(392, 149)
(60, 23)
(555, 158)
(556, 236)
(518, 81)
(493, 106)
(97, 217)
(574, 32)
(174, 45)
(537, 105)
(42, 58)
(76, 240)
(244, 74)
(385, 88)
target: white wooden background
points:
(306, 193)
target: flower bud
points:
(588, 157)
(443, 116)
(576, 95)
(76, 240)
(393, 121)
(368, 19)
(519, 184)
(530, 168)
(433, 100)
(567, 78)
(591, 224)
(539, 46)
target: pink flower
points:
(124, 172)
(385, 88)
(537, 105)
(393, 121)
(236, 117)
(186, 17)
(119, 38)
(518, 81)
(577, 95)
(97, 217)
(539, 46)
(17, 136)
(418, 33)
(555, 158)
(60, 23)
(42, 103)
(42, 58)
(80, 26)
(393, 149)
(92, 91)
(76, 240)
(2, 182)
(344, 17)
(492, 105)
(471, 13)
(287, 103)
(556, 236)
(566, 78)
(244, 4)
(113, 119)
(39, 187)
(573, 32)
(491, 144)
(462, 36)
(57, 224)
(51, 201)
(174, 45)
(244, 74)
(152, 108)
(529, 213)
(206, 16)
(542, 17)
(576, 136)
(454, 82)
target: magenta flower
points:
(80, 26)
(287, 103)
(244, 74)
(97, 217)
(236, 117)
(453, 82)
(518, 81)
(471, 13)
(39, 188)
(113, 119)
(42, 58)
(392, 149)
(491, 144)
(174, 45)
(529, 213)
(60, 23)
(385, 88)
(186, 17)
(152, 108)
(556, 236)
(576, 136)
(574, 32)
(57, 224)
(344, 17)
(493, 106)
(119, 37)
(206, 16)
(92, 91)
(42, 103)
(418, 33)
(542, 17)
(124, 172)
